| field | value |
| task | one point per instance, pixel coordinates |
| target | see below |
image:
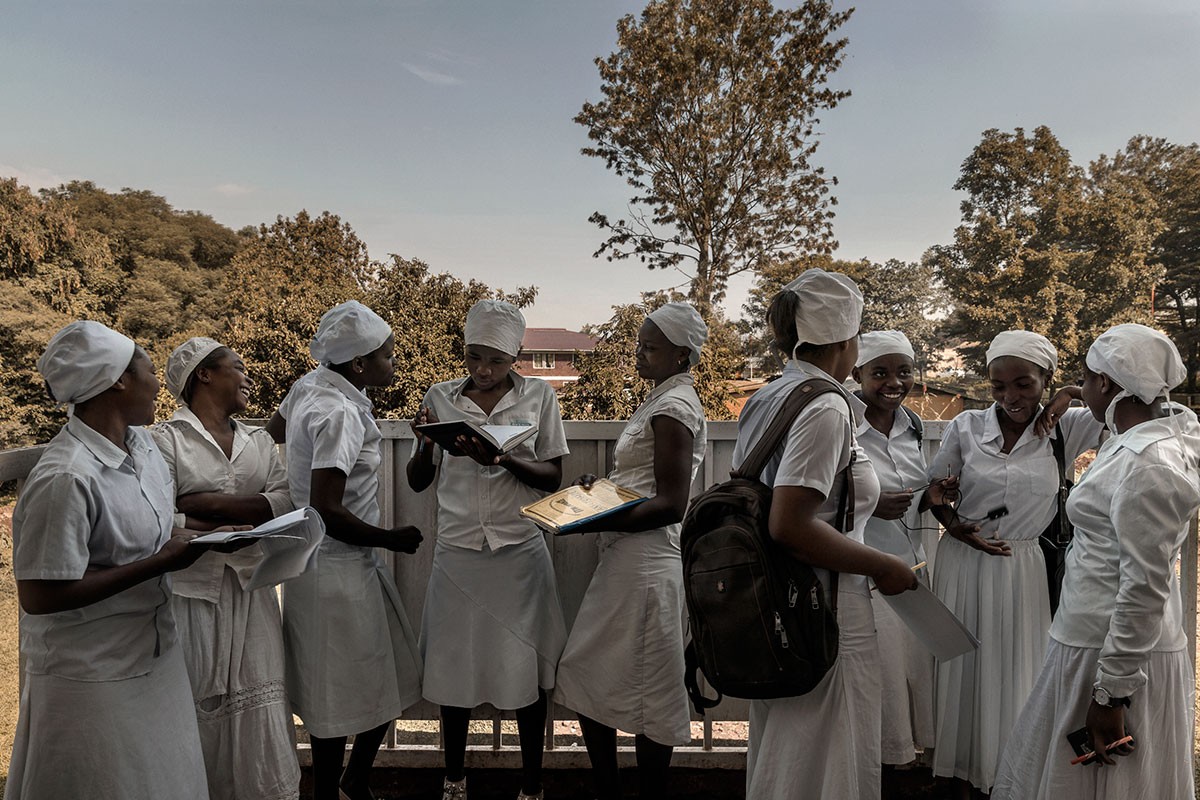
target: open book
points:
(565, 510)
(289, 546)
(497, 439)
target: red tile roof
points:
(557, 340)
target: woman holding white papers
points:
(824, 743)
(885, 371)
(352, 664)
(623, 665)
(1117, 662)
(106, 708)
(492, 630)
(225, 472)
(990, 571)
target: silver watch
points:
(1101, 697)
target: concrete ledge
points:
(565, 758)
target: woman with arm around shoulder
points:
(225, 472)
(352, 663)
(492, 630)
(991, 572)
(829, 739)
(1117, 662)
(106, 708)
(623, 666)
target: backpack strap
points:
(1065, 531)
(800, 397)
(691, 673)
(917, 425)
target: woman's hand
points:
(893, 505)
(585, 480)
(895, 576)
(477, 451)
(403, 540)
(1105, 726)
(425, 416)
(1054, 410)
(968, 534)
(941, 492)
(178, 552)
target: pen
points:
(1111, 747)
(919, 566)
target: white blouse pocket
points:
(1041, 475)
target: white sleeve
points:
(816, 450)
(949, 458)
(1080, 431)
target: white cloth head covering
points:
(347, 331)
(882, 343)
(84, 359)
(184, 360)
(830, 308)
(683, 326)
(496, 324)
(1141, 360)
(1033, 347)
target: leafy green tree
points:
(609, 386)
(897, 295)
(709, 113)
(1160, 181)
(427, 312)
(1042, 246)
(51, 271)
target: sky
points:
(442, 129)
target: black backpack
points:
(761, 627)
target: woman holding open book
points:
(227, 473)
(623, 665)
(492, 630)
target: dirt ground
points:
(10, 692)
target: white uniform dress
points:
(106, 708)
(623, 665)
(1119, 626)
(1003, 600)
(906, 666)
(352, 661)
(825, 743)
(492, 630)
(233, 639)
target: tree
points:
(1161, 181)
(1042, 247)
(51, 271)
(897, 295)
(285, 277)
(427, 313)
(609, 387)
(709, 112)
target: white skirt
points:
(1003, 600)
(492, 630)
(1037, 761)
(234, 655)
(825, 743)
(623, 665)
(906, 687)
(351, 655)
(135, 739)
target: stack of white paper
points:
(934, 625)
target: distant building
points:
(549, 354)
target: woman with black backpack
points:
(828, 739)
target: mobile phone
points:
(997, 513)
(1084, 754)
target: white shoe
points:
(454, 790)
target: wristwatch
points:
(1101, 697)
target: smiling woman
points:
(990, 571)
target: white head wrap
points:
(1033, 347)
(683, 326)
(347, 331)
(496, 324)
(1141, 360)
(830, 308)
(84, 359)
(184, 360)
(882, 343)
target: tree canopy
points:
(709, 113)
